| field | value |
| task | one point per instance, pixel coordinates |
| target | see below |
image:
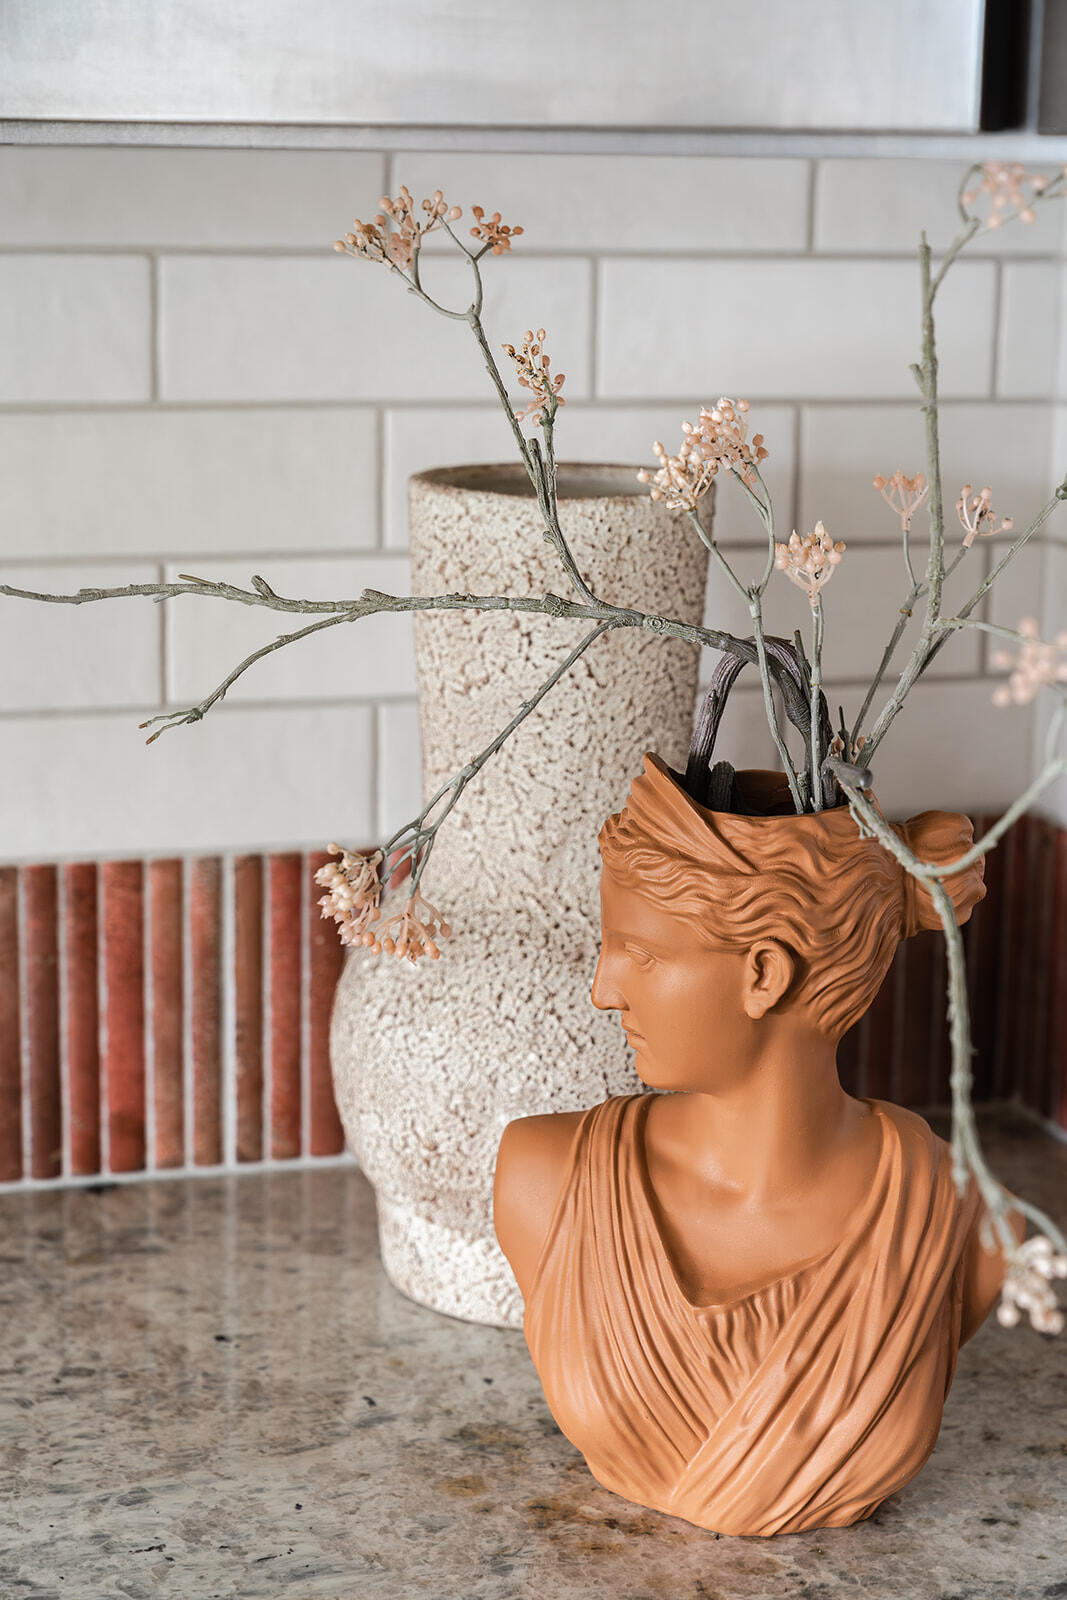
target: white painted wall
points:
(191, 380)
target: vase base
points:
(447, 1271)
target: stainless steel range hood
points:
(860, 65)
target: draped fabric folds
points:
(800, 1405)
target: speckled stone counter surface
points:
(208, 1389)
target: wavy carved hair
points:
(838, 900)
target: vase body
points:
(430, 1062)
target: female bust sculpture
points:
(745, 1297)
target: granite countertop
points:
(210, 1390)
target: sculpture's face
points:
(682, 1004)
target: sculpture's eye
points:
(639, 957)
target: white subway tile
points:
(623, 202)
(241, 779)
(399, 767)
(1054, 800)
(861, 607)
(373, 656)
(63, 195)
(100, 653)
(882, 204)
(1026, 588)
(952, 749)
(1028, 338)
(74, 328)
(1056, 527)
(159, 482)
(418, 440)
(785, 328)
(288, 329)
(843, 447)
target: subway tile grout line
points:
(810, 204)
(314, 252)
(484, 402)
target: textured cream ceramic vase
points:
(431, 1061)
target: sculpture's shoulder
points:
(531, 1167)
(982, 1269)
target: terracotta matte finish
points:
(745, 1298)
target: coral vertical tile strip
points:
(124, 1058)
(55, 1066)
(41, 946)
(82, 1020)
(167, 963)
(10, 1029)
(285, 875)
(327, 954)
(982, 966)
(205, 926)
(248, 1003)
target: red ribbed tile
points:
(1033, 1023)
(205, 914)
(327, 956)
(285, 873)
(40, 943)
(248, 1003)
(1057, 1046)
(983, 958)
(124, 1062)
(921, 999)
(10, 1030)
(168, 1012)
(1010, 956)
(83, 1014)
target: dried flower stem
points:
(816, 697)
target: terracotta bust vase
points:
(745, 1292)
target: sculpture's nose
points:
(604, 994)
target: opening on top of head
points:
(575, 480)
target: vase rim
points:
(496, 478)
(756, 783)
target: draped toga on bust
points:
(802, 1404)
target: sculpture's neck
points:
(771, 1135)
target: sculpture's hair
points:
(839, 900)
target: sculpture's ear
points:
(770, 968)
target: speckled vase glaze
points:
(430, 1062)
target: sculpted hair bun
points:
(938, 837)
